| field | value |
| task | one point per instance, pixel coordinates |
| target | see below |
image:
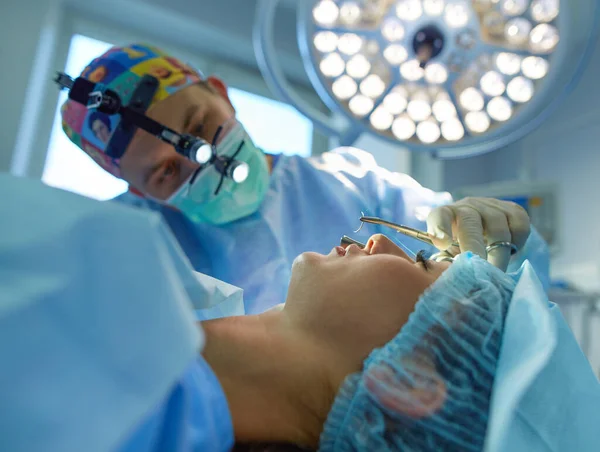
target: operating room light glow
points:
(457, 15)
(350, 44)
(382, 119)
(371, 58)
(361, 105)
(372, 86)
(358, 66)
(409, 9)
(393, 30)
(443, 109)
(499, 109)
(508, 63)
(395, 54)
(412, 71)
(326, 12)
(434, 7)
(396, 101)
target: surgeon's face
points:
(154, 167)
(356, 300)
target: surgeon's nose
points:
(380, 244)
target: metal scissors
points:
(422, 236)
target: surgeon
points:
(240, 232)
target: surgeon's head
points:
(186, 102)
(154, 167)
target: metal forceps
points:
(406, 230)
(442, 256)
(422, 236)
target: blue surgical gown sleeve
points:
(400, 198)
(386, 194)
(99, 344)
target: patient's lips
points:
(340, 251)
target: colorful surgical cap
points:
(447, 351)
(120, 69)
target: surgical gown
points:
(99, 346)
(311, 203)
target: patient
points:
(312, 373)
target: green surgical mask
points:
(197, 198)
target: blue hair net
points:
(430, 387)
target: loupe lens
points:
(203, 153)
(240, 172)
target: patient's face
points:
(356, 300)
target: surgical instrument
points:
(345, 241)
(424, 236)
(442, 256)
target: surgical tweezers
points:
(345, 241)
(424, 236)
(406, 230)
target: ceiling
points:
(236, 18)
(220, 28)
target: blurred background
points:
(552, 170)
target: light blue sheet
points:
(546, 396)
(97, 325)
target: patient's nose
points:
(380, 244)
(355, 250)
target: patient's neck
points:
(275, 382)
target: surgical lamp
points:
(455, 77)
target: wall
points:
(387, 155)
(29, 33)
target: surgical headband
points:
(121, 69)
(450, 346)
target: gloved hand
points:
(477, 223)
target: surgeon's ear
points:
(219, 86)
(415, 391)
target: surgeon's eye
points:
(420, 258)
(197, 130)
(168, 172)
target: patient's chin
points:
(277, 308)
(305, 261)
